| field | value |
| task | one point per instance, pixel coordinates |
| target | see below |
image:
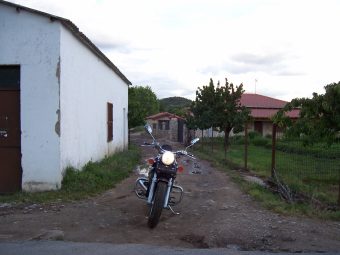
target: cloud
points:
(175, 46)
(107, 45)
(258, 60)
(277, 64)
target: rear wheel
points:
(157, 206)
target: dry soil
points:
(214, 213)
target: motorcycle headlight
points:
(168, 158)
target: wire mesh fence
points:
(311, 172)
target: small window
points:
(167, 125)
(109, 122)
(9, 77)
(154, 126)
(160, 125)
(163, 124)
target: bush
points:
(260, 141)
(269, 136)
(237, 139)
(320, 150)
(253, 134)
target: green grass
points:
(315, 176)
(94, 178)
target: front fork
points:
(152, 187)
(152, 190)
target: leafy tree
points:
(142, 103)
(230, 114)
(319, 116)
(203, 107)
(190, 124)
(220, 107)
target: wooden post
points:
(246, 146)
(212, 139)
(339, 190)
(273, 149)
(129, 134)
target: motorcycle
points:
(157, 186)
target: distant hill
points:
(170, 103)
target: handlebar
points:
(178, 153)
(185, 153)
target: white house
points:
(62, 101)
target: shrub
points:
(268, 136)
(260, 141)
(253, 134)
(237, 139)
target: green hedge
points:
(320, 150)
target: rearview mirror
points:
(194, 141)
(148, 128)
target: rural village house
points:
(168, 125)
(262, 109)
(62, 101)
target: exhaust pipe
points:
(141, 188)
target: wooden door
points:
(180, 130)
(10, 131)
(258, 127)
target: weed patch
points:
(94, 178)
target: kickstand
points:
(172, 210)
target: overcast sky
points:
(291, 47)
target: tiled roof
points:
(259, 101)
(76, 32)
(265, 107)
(164, 114)
(268, 113)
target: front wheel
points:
(157, 205)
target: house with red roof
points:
(263, 108)
(168, 125)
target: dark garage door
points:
(10, 132)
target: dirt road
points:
(214, 213)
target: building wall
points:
(87, 85)
(267, 127)
(32, 41)
(171, 133)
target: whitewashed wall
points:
(65, 89)
(32, 41)
(87, 85)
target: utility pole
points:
(255, 84)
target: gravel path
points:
(215, 213)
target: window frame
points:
(109, 122)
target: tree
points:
(319, 116)
(142, 103)
(203, 107)
(220, 107)
(230, 114)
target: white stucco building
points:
(72, 100)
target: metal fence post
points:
(273, 149)
(339, 190)
(246, 146)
